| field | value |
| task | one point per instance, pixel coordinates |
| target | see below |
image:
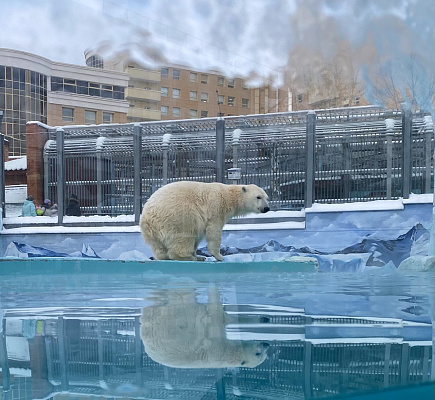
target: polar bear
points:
(179, 332)
(179, 215)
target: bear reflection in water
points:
(178, 331)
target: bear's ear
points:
(244, 190)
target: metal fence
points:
(330, 156)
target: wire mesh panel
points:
(358, 162)
(192, 158)
(275, 163)
(359, 156)
(422, 154)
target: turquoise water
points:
(158, 330)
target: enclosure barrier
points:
(326, 156)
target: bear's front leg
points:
(213, 235)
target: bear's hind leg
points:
(159, 251)
(182, 249)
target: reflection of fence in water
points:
(359, 154)
(112, 351)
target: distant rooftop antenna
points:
(219, 104)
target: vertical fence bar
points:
(346, 177)
(63, 357)
(100, 199)
(2, 170)
(389, 123)
(310, 145)
(428, 157)
(137, 145)
(406, 153)
(2, 175)
(60, 162)
(4, 362)
(165, 147)
(46, 176)
(236, 138)
(220, 149)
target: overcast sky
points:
(237, 37)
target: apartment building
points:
(33, 88)
(177, 92)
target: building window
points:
(192, 95)
(90, 117)
(94, 61)
(220, 99)
(230, 100)
(204, 97)
(300, 98)
(245, 102)
(193, 113)
(245, 86)
(164, 110)
(176, 74)
(204, 114)
(176, 111)
(164, 91)
(221, 81)
(59, 84)
(193, 77)
(230, 83)
(107, 118)
(67, 114)
(175, 93)
(164, 72)
(204, 78)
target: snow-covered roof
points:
(16, 164)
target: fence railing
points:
(327, 156)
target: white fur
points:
(179, 332)
(178, 216)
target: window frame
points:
(94, 112)
(66, 118)
(166, 112)
(175, 90)
(105, 113)
(175, 114)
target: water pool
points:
(152, 330)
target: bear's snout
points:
(265, 209)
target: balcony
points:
(143, 114)
(142, 94)
(143, 74)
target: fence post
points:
(428, 156)
(99, 146)
(2, 171)
(46, 175)
(61, 176)
(310, 146)
(236, 138)
(137, 145)
(406, 153)
(220, 149)
(389, 123)
(165, 145)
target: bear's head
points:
(255, 199)
(254, 354)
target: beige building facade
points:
(177, 92)
(33, 88)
